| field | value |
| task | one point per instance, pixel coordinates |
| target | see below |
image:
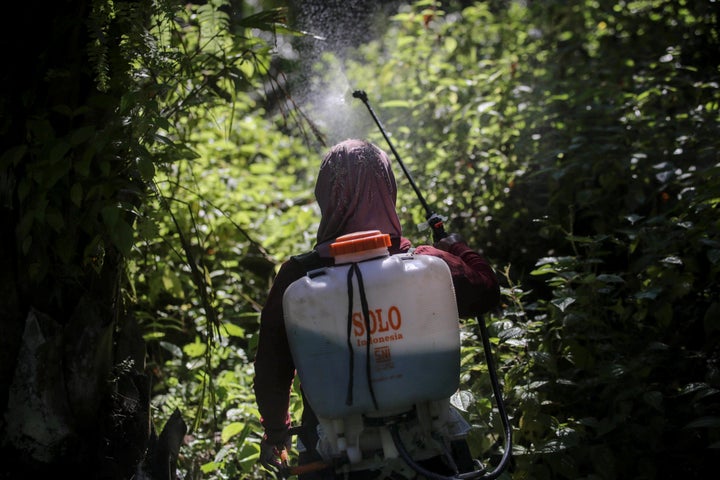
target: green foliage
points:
(228, 187)
(73, 171)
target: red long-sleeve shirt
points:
(476, 288)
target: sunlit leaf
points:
(194, 350)
(233, 330)
(232, 429)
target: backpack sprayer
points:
(396, 355)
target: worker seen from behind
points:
(356, 191)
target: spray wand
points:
(434, 220)
(436, 224)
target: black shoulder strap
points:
(309, 260)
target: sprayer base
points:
(381, 420)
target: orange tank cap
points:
(359, 242)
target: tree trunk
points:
(73, 392)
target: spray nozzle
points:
(360, 94)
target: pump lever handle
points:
(305, 468)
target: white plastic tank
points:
(411, 334)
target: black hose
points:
(408, 459)
(497, 392)
(481, 474)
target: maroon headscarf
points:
(356, 191)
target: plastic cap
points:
(359, 242)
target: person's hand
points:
(445, 242)
(272, 455)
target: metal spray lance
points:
(434, 220)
